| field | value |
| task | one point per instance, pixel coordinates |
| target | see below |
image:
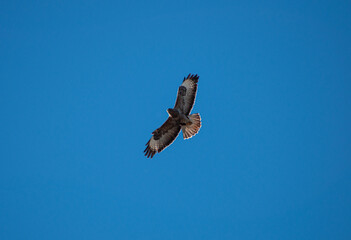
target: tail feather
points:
(193, 127)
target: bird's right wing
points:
(162, 137)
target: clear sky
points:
(84, 83)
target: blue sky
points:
(84, 83)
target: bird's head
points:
(172, 112)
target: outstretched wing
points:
(186, 94)
(162, 137)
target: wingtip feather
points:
(193, 77)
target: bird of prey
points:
(179, 119)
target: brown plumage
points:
(179, 119)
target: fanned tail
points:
(193, 127)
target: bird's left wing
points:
(162, 137)
(186, 94)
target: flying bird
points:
(179, 119)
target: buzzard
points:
(179, 118)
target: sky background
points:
(84, 83)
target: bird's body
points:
(179, 119)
